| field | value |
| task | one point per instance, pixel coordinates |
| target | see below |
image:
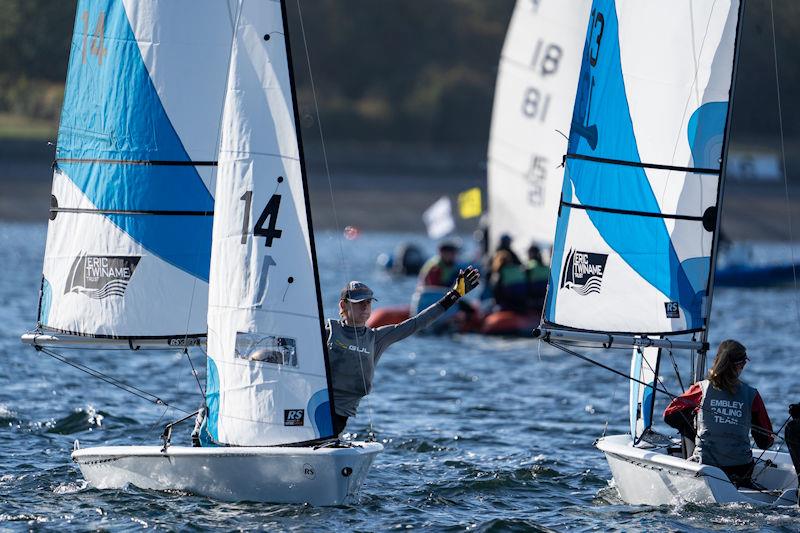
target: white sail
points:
(128, 243)
(533, 101)
(267, 378)
(644, 374)
(638, 212)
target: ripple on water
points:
(487, 435)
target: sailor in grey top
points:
(355, 349)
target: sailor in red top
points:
(727, 411)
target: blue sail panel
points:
(636, 225)
(129, 242)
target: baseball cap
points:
(355, 292)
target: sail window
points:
(266, 348)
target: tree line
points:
(396, 70)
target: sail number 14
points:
(268, 217)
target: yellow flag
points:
(469, 203)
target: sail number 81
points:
(268, 217)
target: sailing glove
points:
(467, 280)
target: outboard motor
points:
(792, 436)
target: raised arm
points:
(387, 335)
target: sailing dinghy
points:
(132, 259)
(637, 232)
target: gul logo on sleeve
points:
(101, 276)
(583, 272)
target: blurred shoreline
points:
(386, 187)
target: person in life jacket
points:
(536, 274)
(355, 349)
(509, 283)
(727, 411)
(440, 270)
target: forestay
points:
(641, 186)
(267, 379)
(129, 238)
(644, 374)
(533, 100)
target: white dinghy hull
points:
(318, 476)
(651, 477)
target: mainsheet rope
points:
(339, 229)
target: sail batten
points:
(639, 202)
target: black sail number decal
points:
(265, 225)
(581, 124)
(598, 24)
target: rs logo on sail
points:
(583, 272)
(101, 276)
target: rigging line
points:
(675, 368)
(196, 376)
(657, 377)
(330, 190)
(694, 86)
(564, 349)
(152, 398)
(783, 159)
(761, 455)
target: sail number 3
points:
(268, 217)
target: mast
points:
(304, 173)
(700, 368)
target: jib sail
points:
(533, 101)
(129, 237)
(638, 210)
(267, 378)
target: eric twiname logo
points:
(101, 276)
(583, 272)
